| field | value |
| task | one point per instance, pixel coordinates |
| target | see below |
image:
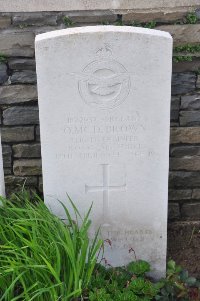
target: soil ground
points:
(184, 245)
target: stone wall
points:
(18, 93)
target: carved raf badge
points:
(105, 83)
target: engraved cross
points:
(105, 188)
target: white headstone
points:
(2, 184)
(104, 102)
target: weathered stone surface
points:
(191, 210)
(187, 66)
(40, 185)
(55, 51)
(195, 55)
(164, 15)
(27, 167)
(15, 181)
(189, 118)
(175, 105)
(26, 150)
(197, 12)
(17, 94)
(7, 154)
(196, 194)
(18, 115)
(174, 123)
(17, 43)
(175, 195)
(174, 115)
(22, 64)
(43, 29)
(185, 163)
(190, 102)
(35, 19)
(5, 21)
(181, 151)
(17, 134)
(3, 73)
(173, 211)
(184, 244)
(184, 34)
(14, 184)
(90, 17)
(7, 171)
(183, 83)
(24, 77)
(198, 82)
(37, 133)
(79, 5)
(188, 135)
(183, 179)
(17, 189)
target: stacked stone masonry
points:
(19, 107)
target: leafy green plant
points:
(3, 58)
(43, 258)
(139, 267)
(105, 23)
(178, 285)
(67, 21)
(151, 24)
(135, 24)
(198, 72)
(182, 58)
(123, 284)
(131, 283)
(191, 18)
(119, 22)
(100, 295)
(187, 48)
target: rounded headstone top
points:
(92, 5)
(101, 29)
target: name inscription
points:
(93, 137)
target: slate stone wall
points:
(19, 108)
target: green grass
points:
(41, 257)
